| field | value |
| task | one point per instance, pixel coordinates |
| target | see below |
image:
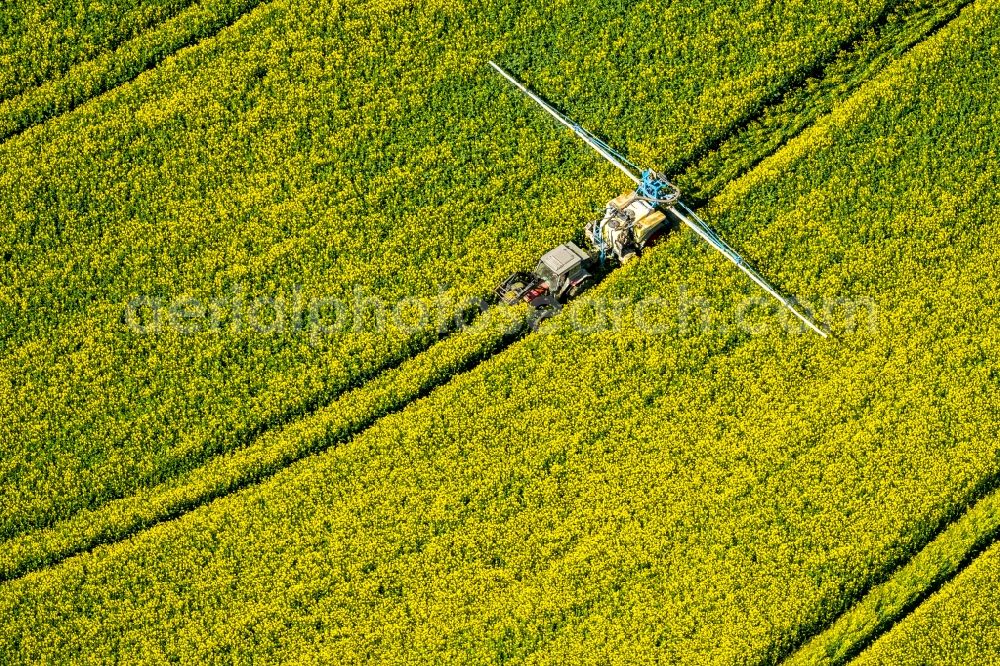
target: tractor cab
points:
(560, 274)
(563, 270)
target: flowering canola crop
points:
(316, 153)
(675, 486)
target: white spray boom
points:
(656, 189)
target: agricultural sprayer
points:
(630, 222)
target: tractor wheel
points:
(578, 289)
(543, 307)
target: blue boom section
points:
(656, 188)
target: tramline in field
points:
(630, 222)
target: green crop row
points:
(285, 158)
(40, 41)
(275, 449)
(891, 600)
(906, 24)
(647, 478)
(958, 626)
(85, 80)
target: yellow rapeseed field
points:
(176, 248)
(669, 471)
